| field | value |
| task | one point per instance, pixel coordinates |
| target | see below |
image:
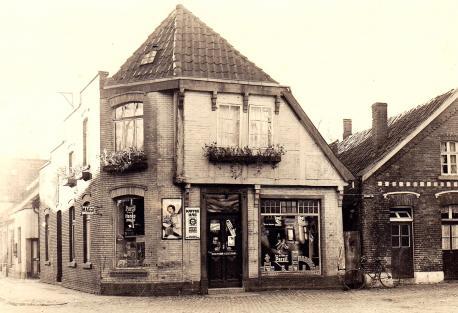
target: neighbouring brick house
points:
(405, 199)
(211, 176)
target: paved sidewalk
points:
(18, 296)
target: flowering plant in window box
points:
(244, 155)
(67, 175)
(124, 161)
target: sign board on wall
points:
(192, 223)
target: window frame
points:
(71, 234)
(448, 154)
(312, 213)
(218, 115)
(47, 237)
(86, 236)
(449, 222)
(134, 118)
(271, 126)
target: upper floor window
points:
(260, 126)
(228, 125)
(128, 124)
(70, 161)
(449, 156)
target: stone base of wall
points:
(293, 282)
(150, 289)
(428, 277)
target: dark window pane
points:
(395, 241)
(394, 229)
(405, 241)
(405, 230)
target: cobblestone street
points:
(33, 296)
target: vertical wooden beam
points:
(179, 168)
(246, 96)
(214, 98)
(277, 104)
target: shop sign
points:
(89, 210)
(192, 223)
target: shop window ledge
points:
(128, 273)
(47, 263)
(87, 265)
(71, 264)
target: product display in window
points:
(289, 243)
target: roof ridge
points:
(396, 117)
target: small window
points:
(400, 235)
(148, 58)
(71, 234)
(128, 126)
(400, 214)
(86, 236)
(47, 237)
(19, 245)
(449, 157)
(70, 162)
(228, 125)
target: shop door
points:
(34, 259)
(224, 250)
(450, 250)
(401, 250)
(224, 241)
(59, 246)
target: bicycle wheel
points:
(354, 279)
(386, 279)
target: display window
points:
(130, 240)
(290, 236)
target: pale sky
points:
(338, 57)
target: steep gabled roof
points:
(358, 153)
(187, 47)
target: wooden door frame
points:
(242, 191)
(412, 248)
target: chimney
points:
(379, 124)
(346, 128)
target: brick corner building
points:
(190, 169)
(405, 199)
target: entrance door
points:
(450, 250)
(401, 250)
(34, 259)
(59, 246)
(224, 241)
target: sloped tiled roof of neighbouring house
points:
(357, 151)
(186, 47)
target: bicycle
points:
(357, 278)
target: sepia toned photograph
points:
(229, 156)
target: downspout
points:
(36, 210)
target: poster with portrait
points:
(172, 219)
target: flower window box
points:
(244, 155)
(125, 161)
(69, 181)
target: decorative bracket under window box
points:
(87, 265)
(71, 264)
(69, 181)
(132, 167)
(84, 175)
(47, 263)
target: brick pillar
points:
(379, 124)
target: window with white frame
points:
(260, 126)
(128, 126)
(228, 125)
(449, 217)
(449, 156)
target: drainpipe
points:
(36, 210)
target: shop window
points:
(86, 236)
(47, 237)
(71, 234)
(130, 246)
(449, 156)
(260, 126)
(290, 236)
(450, 227)
(228, 125)
(128, 126)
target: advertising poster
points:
(171, 219)
(192, 223)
